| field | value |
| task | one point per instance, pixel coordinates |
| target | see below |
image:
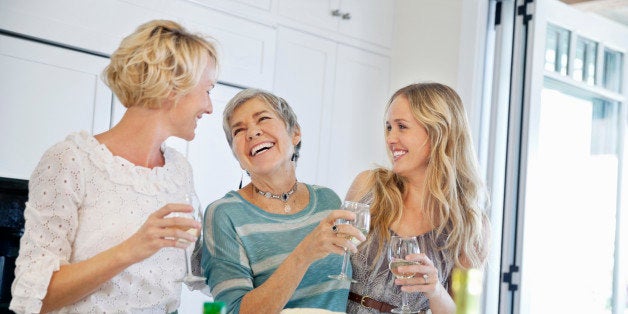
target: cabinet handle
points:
(336, 13)
(346, 16)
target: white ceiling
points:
(616, 10)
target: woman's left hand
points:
(425, 279)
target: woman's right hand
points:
(160, 231)
(323, 240)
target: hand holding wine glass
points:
(398, 248)
(362, 222)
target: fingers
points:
(339, 214)
(339, 223)
(182, 223)
(426, 275)
(172, 208)
(350, 232)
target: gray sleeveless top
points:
(379, 283)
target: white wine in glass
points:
(398, 248)
(363, 223)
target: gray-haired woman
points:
(267, 245)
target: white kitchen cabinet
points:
(357, 116)
(246, 48)
(366, 20)
(304, 76)
(339, 93)
(46, 93)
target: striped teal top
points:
(245, 245)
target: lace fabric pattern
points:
(82, 201)
(374, 278)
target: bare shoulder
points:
(360, 186)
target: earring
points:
(242, 177)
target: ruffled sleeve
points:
(56, 191)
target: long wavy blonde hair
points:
(455, 197)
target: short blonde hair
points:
(159, 59)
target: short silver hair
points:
(277, 104)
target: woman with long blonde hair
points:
(432, 192)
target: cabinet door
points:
(245, 48)
(365, 20)
(315, 13)
(46, 92)
(304, 76)
(371, 20)
(357, 124)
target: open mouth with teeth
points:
(398, 153)
(260, 148)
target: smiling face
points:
(193, 105)
(261, 141)
(407, 140)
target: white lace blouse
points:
(82, 201)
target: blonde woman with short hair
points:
(98, 236)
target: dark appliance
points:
(13, 196)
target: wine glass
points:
(362, 222)
(191, 199)
(398, 249)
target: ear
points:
(296, 135)
(170, 101)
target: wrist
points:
(437, 293)
(124, 254)
(300, 259)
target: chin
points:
(188, 138)
(397, 169)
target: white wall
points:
(425, 42)
(441, 41)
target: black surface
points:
(13, 197)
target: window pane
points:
(571, 205)
(557, 49)
(584, 63)
(612, 70)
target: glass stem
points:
(188, 271)
(345, 261)
(404, 302)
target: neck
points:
(283, 196)
(278, 181)
(137, 137)
(414, 193)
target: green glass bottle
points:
(214, 308)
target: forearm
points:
(441, 302)
(73, 282)
(274, 293)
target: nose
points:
(254, 132)
(391, 137)
(210, 107)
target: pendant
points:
(286, 208)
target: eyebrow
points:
(397, 121)
(255, 115)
